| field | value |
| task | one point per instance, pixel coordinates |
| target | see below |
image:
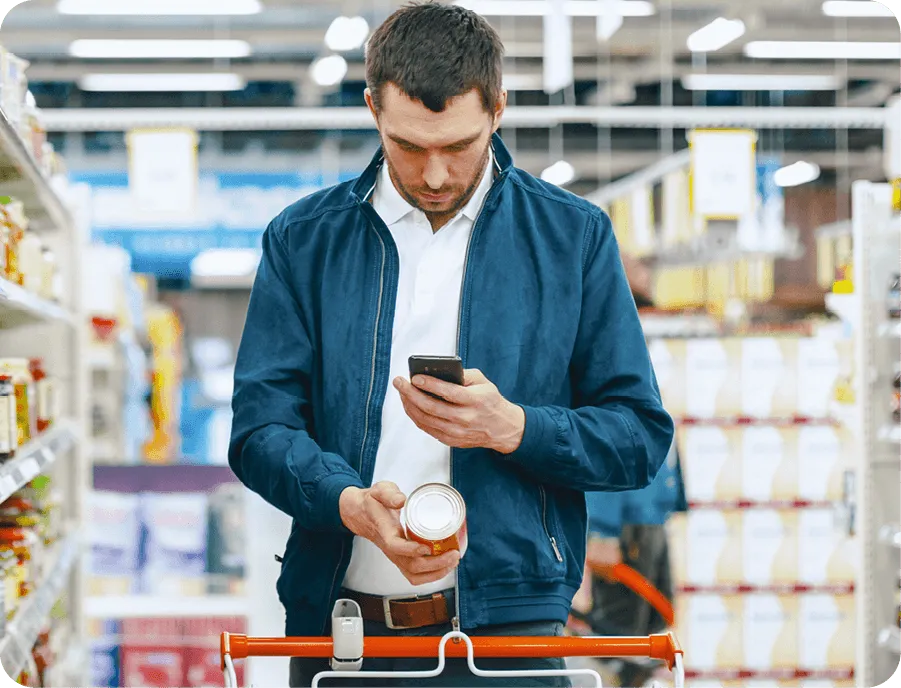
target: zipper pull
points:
(556, 549)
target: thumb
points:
(388, 494)
(473, 376)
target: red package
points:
(154, 667)
(201, 650)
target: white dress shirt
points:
(425, 323)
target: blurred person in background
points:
(629, 527)
(441, 247)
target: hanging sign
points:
(558, 47)
(162, 172)
(723, 173)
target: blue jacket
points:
(651, 505)
(546, 314)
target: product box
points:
(714, 547)
(770, 550)
(711, 462)
(769, 463)
(677, 539)
(713, 378)
(822, 362)
(105, 636)
(828, 630)
(152, 653)
(202, 660)
(768, 377)
(826, 555)
(226, 543)
(668, 359)
(771, 631)
(114, 533)
(176, 542)
(710, 630)
(823, 452)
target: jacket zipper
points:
(547, 531)
(375, 338)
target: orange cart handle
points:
(663, 647)
(641, 586)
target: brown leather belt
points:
(400, 612)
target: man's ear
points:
(370, 103)
(499, 109)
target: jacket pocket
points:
(552, 538)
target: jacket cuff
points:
(326, 511)
(539, 438)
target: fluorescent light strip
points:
(573, 8)
(855, 8)
(159, 49)
(759, 82)
(159, 7)
(823, 50)
(134, 83)
(801, 172)
(717, 34)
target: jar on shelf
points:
(45, 390)
(9, 577)
(26, 425)
(23, 543)
(15, 223)
(9, 435)
(31, 262)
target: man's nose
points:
(435, 173)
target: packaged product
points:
(114, 534)
(176, 539)
(17, 368)
(711, 462)
(44, 390)
(714, 547)
(826, 554)
(769, 463)
(226, 544)
(770, 546)
(828, 631)
(771, 631)
(668, 358)
(12, 216)
(823, 453)
(821, 362)
(201, 650)
(105, 636)
(9, 435)
(713, 370)
(31, 262)
(710, 629)
(769, 377)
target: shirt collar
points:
(392, 207)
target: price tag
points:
(9, 485)
(723, 173)
(30, 469)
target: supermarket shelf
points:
(787, 674)
(19, 307)
(725, 504)
(142, 606)
(21, 177)
(747, 420)
(890, 639)
(890, 535)
(33, 458)
(890, 433)
(771, 589)
(22, 631)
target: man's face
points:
(436, 159)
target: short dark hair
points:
(435, 52)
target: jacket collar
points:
(365, 184)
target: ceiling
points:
(643, 64)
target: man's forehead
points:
(405, 119)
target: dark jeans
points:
(456, 671)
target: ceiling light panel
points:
(760, 82)
(159, 49)
(855, 8)
(823, 50)
(717, 34)
(134, 83)
(160, 7)
(539, 8)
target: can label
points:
(435, 515)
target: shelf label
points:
(162, 172)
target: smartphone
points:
(447, 368)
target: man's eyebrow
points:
(455, 144)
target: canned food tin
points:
(435, 515)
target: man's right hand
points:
(374, 514)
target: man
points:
(440, 247)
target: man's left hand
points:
(472, 415)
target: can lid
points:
(435, 511)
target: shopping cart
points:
(347, 648)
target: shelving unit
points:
(34, 327)
(151, 606)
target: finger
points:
(430, 405)
(451, 393)
(439, 428)
(430, 564)
(388, 494)
(422, 579)
(474, 376)
(398, 547)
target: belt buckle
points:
(386, 605)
